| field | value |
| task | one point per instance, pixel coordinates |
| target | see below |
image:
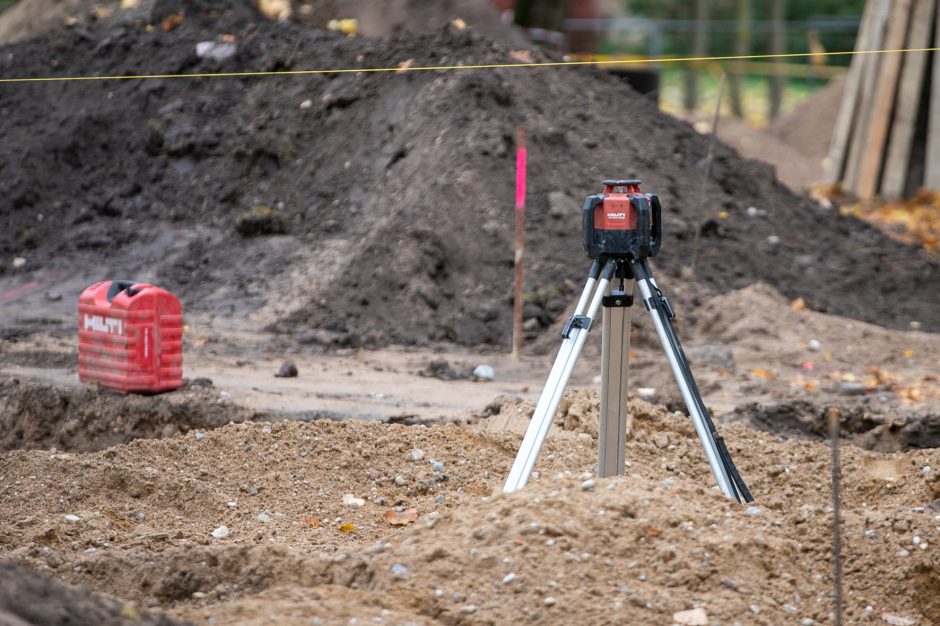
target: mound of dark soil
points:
(31, 599)
(396, 187)
(34, 415)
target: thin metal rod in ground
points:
(833, 415)
(705, 176)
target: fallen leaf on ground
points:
(347, 528)
(403, 518)
(762, 374)
(312, 521)
(522, 56)
(171, 22)
(798, 305)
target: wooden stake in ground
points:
(520, 243)
(833, 415)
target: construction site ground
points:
(358, 226)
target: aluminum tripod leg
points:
(576, 331)
(614, 415)
(726, 475)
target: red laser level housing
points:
(621, 224)
(130, 337)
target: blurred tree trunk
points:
(777, 46)
(699, 49)
(742, 47)
(547, 14)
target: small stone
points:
(72, 518)
(661, 440)
(647, 393)
(287, 370)
(692, 617)
(400, 480)
(221, 532)
(814, 344)
(560, 204)
(399, 570)
(438, 466)
(753, 211)
(439, 500)
(53, 296)
(215, 50)
(587, 485)
(232, 504)
(416, 454)
(903, 553)
(926, 469)
(468, 608)
(306, 104)
(508, 578)
(19, 262)
(753, 511)
(807, 621)
(483, 373)
(90, 550)
(789, 608)
(916, 540)
(200, 435)
(263, 517)
(550, 601)
(773, 240)
(351, 500)
(852, 388)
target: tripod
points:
(624, 259)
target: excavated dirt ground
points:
(304, 218)
(628, 550)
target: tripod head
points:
(621, 222)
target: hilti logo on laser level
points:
(617, 216)
(101, 324)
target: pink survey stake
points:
(520, 176)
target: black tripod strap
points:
(642, 271)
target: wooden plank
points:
(838, 148)
(862, 122)
(908, 103)
(932, 168)
(883, 102)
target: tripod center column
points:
(615, 421)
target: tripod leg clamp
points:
(576, 321)
(667, 308)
